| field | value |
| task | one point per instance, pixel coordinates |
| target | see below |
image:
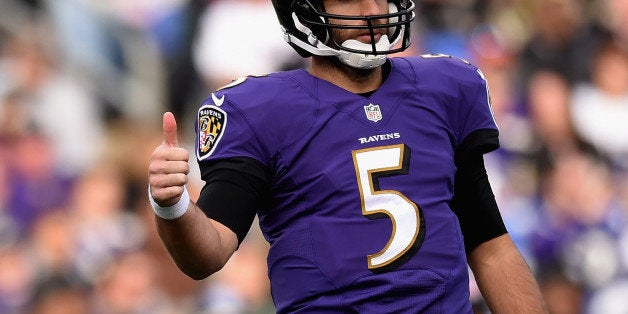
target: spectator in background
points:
(445, 26)
(562, 41)
(562, 295)
(17, 278)
(599, 108)
(613, 15)
(581, 224)
(241, 286)
(250, 25)
(175, 33)
(110, 45)
(549, 113)
(104, 227)
(128, 285)
(60, 296)
(52, 245)
(53, 102)
(35, 186)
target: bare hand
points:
(168, 169)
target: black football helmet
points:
(306, 27)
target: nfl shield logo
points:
(373, 113)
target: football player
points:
(366, 172)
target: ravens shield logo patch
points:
(211, 123)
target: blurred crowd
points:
(83, 84)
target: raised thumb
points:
(170, 129)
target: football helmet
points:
(307, 28)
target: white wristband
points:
(171, 212)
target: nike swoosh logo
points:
(218, 101)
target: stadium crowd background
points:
(83, 84)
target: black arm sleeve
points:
(474, 202)
(480, 142)
(234, 189)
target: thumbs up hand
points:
(168, 169)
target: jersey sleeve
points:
(233, 163)
(476, 126)
(477, 133)
(223, 131)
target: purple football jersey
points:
(359, 218)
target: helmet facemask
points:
(311, 32)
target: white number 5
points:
(408, 228)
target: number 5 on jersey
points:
(408, 227)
